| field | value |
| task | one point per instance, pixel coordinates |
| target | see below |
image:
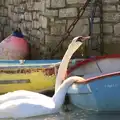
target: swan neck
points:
(63, 68)
(59, 95)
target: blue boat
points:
(100, 90)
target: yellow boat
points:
(33, 75)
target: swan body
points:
(29, 107)
(24, 103)
(19, 94)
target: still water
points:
(76, 114)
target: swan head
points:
(77, 42)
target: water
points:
(76, 114)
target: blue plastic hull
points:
(99, 95)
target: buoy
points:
(14, 47)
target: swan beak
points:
(80, 80)
(85, 38)
(82, 39)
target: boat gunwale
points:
(89, 60)
(99, 77)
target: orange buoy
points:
(14, 47)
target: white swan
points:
(40, 104)
(20, 94)
(29, 107)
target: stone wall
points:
(44, 22)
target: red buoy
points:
(14, 47)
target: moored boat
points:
(100, 91)
(33, 75)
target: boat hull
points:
(33, 75)
(101, 90)
(101, 94)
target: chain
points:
(71, 27)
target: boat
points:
(93, 65)
(32, 75)
(100, 90)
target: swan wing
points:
(21, 108)
(20, 94)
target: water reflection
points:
(76, 114)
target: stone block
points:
(96, 20)
(36, 42)
(117, 29)
(51, 13)
(110, 1)
(116, 40)
(41, 35)
(58, 29)
(81, 28)
(36, 15)
(43, 21)
(107, 28)
(58, 3)
(33, 32)
(22, 7)
(28, 25)
(38, 33)
(60, 21)
(2, 2)
(6, 3)
(47, 31)
(3, 20)
(68, 12)
(7, 31)
(11, 23)
(51, 40)
(109, 7)
(15, 17)
(1, 11)
(47, 4)
(5, 12)
(21, 16)
(9, 11)
(111, 17)
(17, 2)
(36, 24)
(10, 2)
(39, 6)
(96, 28)
(29, 5)
(107, 39)
(118, 7)
(14, 25)
(28, 16)
(76, 1)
